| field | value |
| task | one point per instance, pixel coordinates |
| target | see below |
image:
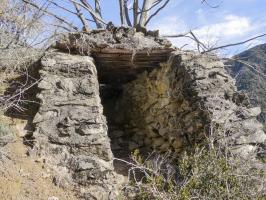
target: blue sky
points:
(232, 21)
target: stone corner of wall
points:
(71, 130)
(178, 104)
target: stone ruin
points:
(105, 93)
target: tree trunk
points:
(81, 17)
(126, 13)
(96, 16)
(135, 12)
(145, 12)
(122, 12)
(98, 11)
(124, 16)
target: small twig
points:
(157, 11)
(81, 17)
(235, 44)
(247, 64)
(51, 14)
(175, 36)
(207, 3)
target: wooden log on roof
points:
(119, 61)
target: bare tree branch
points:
(85, 5)
(192, 36)
(246, 64)
(126, 13)
(81, 17)
(235, 44)
(156, 12)
(98, 9)
(176, 36)
(206, 49)
(97, 18)
(62, 7)
(207, 3)
(199, 43)
(51, 14)
(69, 11)
(154, 5)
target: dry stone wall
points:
(177, 105)
(172, 107)
(71, 131)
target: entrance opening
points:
(117, 69)
(119, 137)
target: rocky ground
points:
(22, 178)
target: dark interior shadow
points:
(110, 96)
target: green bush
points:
(6, 134)
(4, 130)
(212, 175)
(202, 174)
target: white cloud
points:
(231, 26)
(169, 25)
(230, 29)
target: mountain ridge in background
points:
(251, 79)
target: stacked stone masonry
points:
(71, 131)
(172, 107)
(188, 98)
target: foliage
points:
(4, 130)
(203, 174)
(6, 134)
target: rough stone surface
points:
(120, 53)
(171, 106)
(192, 96)
(71, 131)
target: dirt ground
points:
(21, 177)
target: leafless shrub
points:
(21, 25)
(22, 43)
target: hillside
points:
(127, 117)
(250, 80)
